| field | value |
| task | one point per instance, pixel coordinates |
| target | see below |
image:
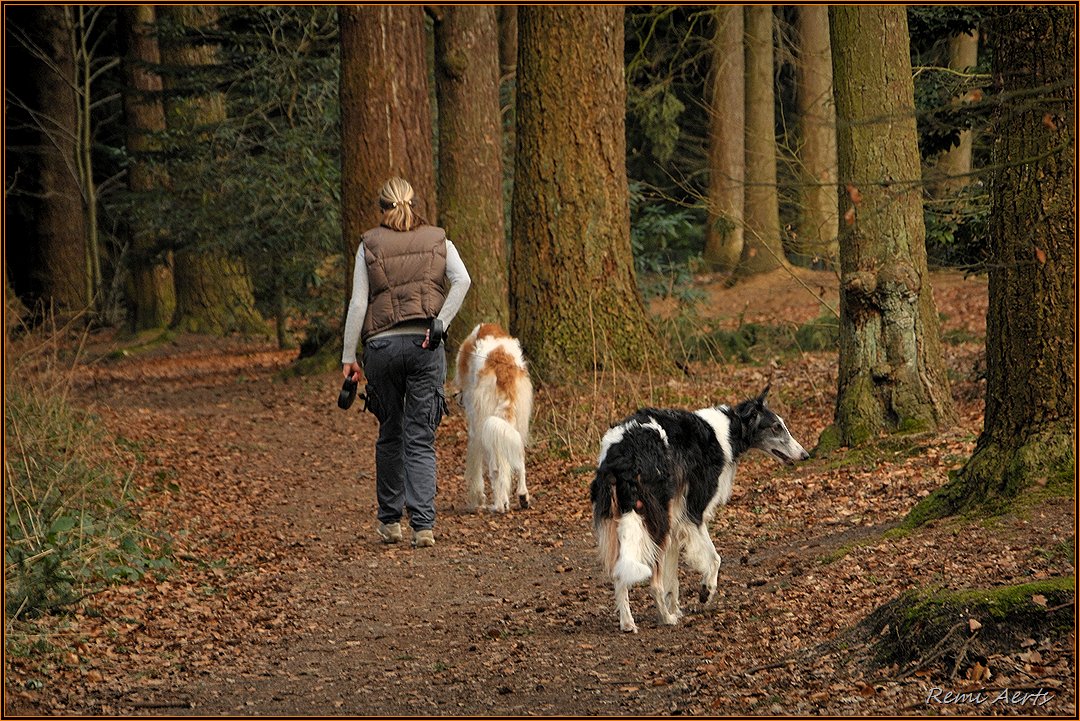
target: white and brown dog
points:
(497, 394)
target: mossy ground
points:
(923, 623)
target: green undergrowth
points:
(748, 342)
(71, 524)
(927, 624)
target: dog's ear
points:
(761, 398)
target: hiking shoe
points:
(423, 538)
(390, 532)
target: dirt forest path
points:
(284, 603)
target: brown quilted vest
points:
(406, 276)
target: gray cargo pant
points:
(405, 392)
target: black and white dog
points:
(660, 476)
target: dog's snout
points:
(804, 455)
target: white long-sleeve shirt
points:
(456, 274)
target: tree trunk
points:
(727, 155)
(819, 221)
(213, 290)
(953, 167)
(153, 295)
(61, 220)
(762, 248)
(508, 32)
(386, 123)
(470, 158)
(892, 375)
(574, 301)
(1029, 423)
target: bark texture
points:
(818, 217)
(762, 248)
(386, 121)
(574, 299)
(470, 158)
(61, 220)
(727, 154)
(1029, 425)
(153, 295)
(213, 290)
(892, 375)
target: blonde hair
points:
(396, 199)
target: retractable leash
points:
(348, 394)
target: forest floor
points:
(283, 601)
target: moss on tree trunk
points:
(892, 373)
(470, 159)
(574, 299)
(1029, 425)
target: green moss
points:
(997, 480)
(914, 425)
(828, 441)
(919, 621)
(997, 603)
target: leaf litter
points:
(283, 602)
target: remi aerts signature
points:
(990, 697)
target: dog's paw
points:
(707, 595)
(523, 501)
(628, 627)
(500, 507)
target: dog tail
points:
(626, 547)
(637, 551)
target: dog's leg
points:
(622, 605)
(671, 578)
(660, 591)
(522, 491)
(474, 474)
(500, 484)
(702, 556)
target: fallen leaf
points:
(1040, 255)
(849, 216)
(974, 625)
(854, 194)
(1039, 600)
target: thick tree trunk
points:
(386, 122)
(61, 220)
(762, 247)
(213, 290)
(818, 218)
(153, 294)
(727, 155)
(470, 158)
(952, 169)
(1029, 425)
(892, 375)
(574, 300)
